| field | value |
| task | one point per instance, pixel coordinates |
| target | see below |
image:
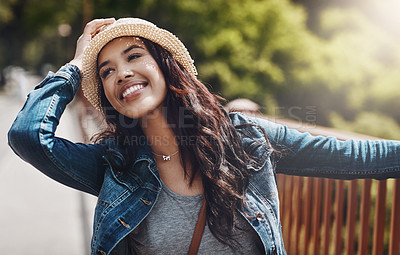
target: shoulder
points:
(249, 129)
(254, 140)
(259, 125)
(256, 126)
(117, 144)
(238, 118)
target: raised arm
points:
(31, 136)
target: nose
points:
(125, 74)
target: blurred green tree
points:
(30, 31)
(262, 50)
(369, 123)
(243, 48)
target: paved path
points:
(37, 215)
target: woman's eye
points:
(105, 72)
(133, 56)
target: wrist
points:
(77, 63)
(72, 74)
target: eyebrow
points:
(134, 46)
(131, 47)
(103, 64)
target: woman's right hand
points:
(91, 29)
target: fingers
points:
(91, 29)
(95, 26)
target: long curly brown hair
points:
(206, 138)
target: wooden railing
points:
(326, 216)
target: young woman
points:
(171, 150)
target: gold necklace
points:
(166, 157)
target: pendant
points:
(166, 157)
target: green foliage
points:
(262, 50)
(355, 70)
(29, 36)
(242, 48)
(6, 13)
(370, 123)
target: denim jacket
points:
(125, 198)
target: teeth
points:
(132, 89)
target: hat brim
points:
(90, 79)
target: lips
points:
(131, 88)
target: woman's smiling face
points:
(132, 80)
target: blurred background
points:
(332, 63)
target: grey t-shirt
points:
(169, 227)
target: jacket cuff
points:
(71, 73)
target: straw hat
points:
(128, 27)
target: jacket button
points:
(259, 216)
